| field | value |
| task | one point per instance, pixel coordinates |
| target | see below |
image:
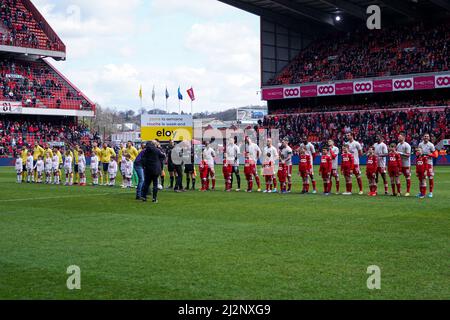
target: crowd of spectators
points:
(16, 134)
(398, 50)
(366, 125)
(19, 28)
(31, 82)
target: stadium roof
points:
(320, 15)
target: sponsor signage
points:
(10, 107)
(166, 127)
(359, 86)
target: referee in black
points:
(151, 161)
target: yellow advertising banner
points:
(166, 127)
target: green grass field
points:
(221, 245)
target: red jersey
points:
(372, 164)
(326, 164)
(348, 162)
(203, 168)
(226, 169)
(282, 172)
(248, 167)
(395, 161)
(304, 163)
(421, 165)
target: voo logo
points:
(363, 87)
(292, 93)
(443, 81)
(326, 90)
(403, 84)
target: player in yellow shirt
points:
(76, 154)
(98, 153)
(105, 157)
(133, 152)
(24, 156)
(38, 151)
(48, 149)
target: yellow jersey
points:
(50, 152)
(24, 155)
(98, 153)
(38, 151)
(132, 151)
(75, 156)
(106, 155)
(122, 151)
(59, 156)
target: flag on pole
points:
(191, 94)
(153, 94)
(140, 92)
(180, 96)
(167, 94)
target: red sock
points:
(250, 185)
(314, 185)
(431, 185)
(258, 182)
(360, 184)
(423, 190)
(399, 188)
(349, 187)
(408, 185)
(393, 188)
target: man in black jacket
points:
(151, 161)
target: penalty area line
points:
(60, 197)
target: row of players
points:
(398, 156)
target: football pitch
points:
(219, 245)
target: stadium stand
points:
(365, 124)
(391, 51)
(23, 26)
(14, 134)
(37, 84)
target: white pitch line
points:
(60, 197)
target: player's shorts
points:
(282, 178)
(381, 170)
(81, 169)
(24, 168)
(304, 174)
(430, 171)
(250, 170)
(406, 171)
(112, 175)
(394, 172)
(356, 170)
(105, 166)
(75, 168)
(19, 171)
(34, 163)
(347, 172)
(170, 166)
(48, 172)
(188, 168)
(325, 174)
(335, 173)
(235, 169)
(68, 170)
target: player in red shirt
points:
(371, 171)
(248, 171)
(304, 168)
(283, 174)
(326, 166)
(227, 170)
(394, 169)
(204, 175)
(268, 172)
(347, 167)
(422, 169)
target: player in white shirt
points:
(19, 168)
(232, 156)
(381, 151)
(209, 155)
(335, 167)
(48, 168)
(271, 155)
(94, 168)
(30, 167)
(311, 151)
(286, 153)
(429, 150)
(55, 169)
(253, 152)
(404, 149)
(128, 171)
(68, 168)
(82, 167)
(355, 148)
(112, 172)
(39, 168)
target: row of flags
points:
(190, 93)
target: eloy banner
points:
(166, 127)
(359, 86)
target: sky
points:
(115, 46)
